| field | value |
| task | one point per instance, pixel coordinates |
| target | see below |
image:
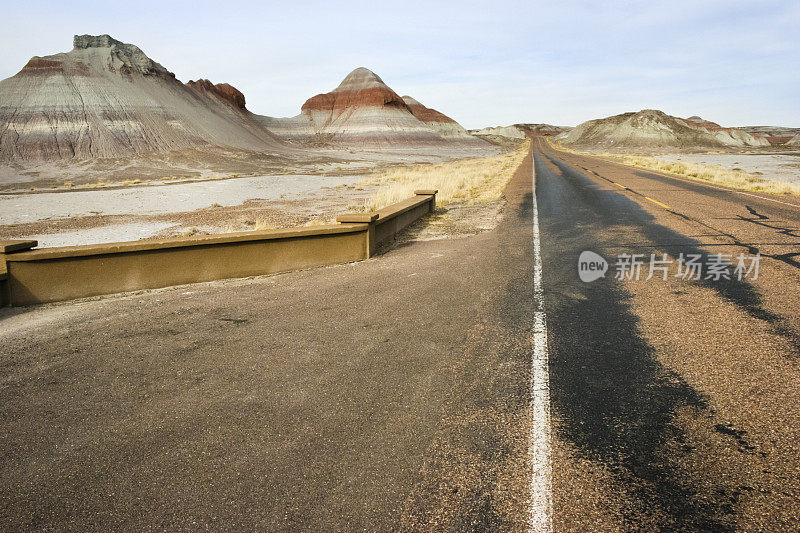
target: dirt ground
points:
(216, 163)
(263, 194)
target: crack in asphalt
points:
(739, 292)
(786, 258)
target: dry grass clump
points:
(189, 232)
(265, 224)
(258, 224)
(321, 222)
(735, 178)
(466, 180)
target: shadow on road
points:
(614, 401)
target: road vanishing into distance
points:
(397, 393)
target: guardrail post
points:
(9, 247)
(431, 193)
(363, 218)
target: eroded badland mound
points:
(776, 135)
(107, 99)
(364, 111)
(521, 130)
(651, 129)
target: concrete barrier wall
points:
(31, 276)
(393, 219)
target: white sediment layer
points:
(160, 199)
(102, 234)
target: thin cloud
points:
(557, 62)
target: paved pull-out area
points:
(396, 393)
(377, 395)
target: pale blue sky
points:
(482, 63)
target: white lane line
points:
(540, 519)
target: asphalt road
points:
(395, 393)
(675, 402)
